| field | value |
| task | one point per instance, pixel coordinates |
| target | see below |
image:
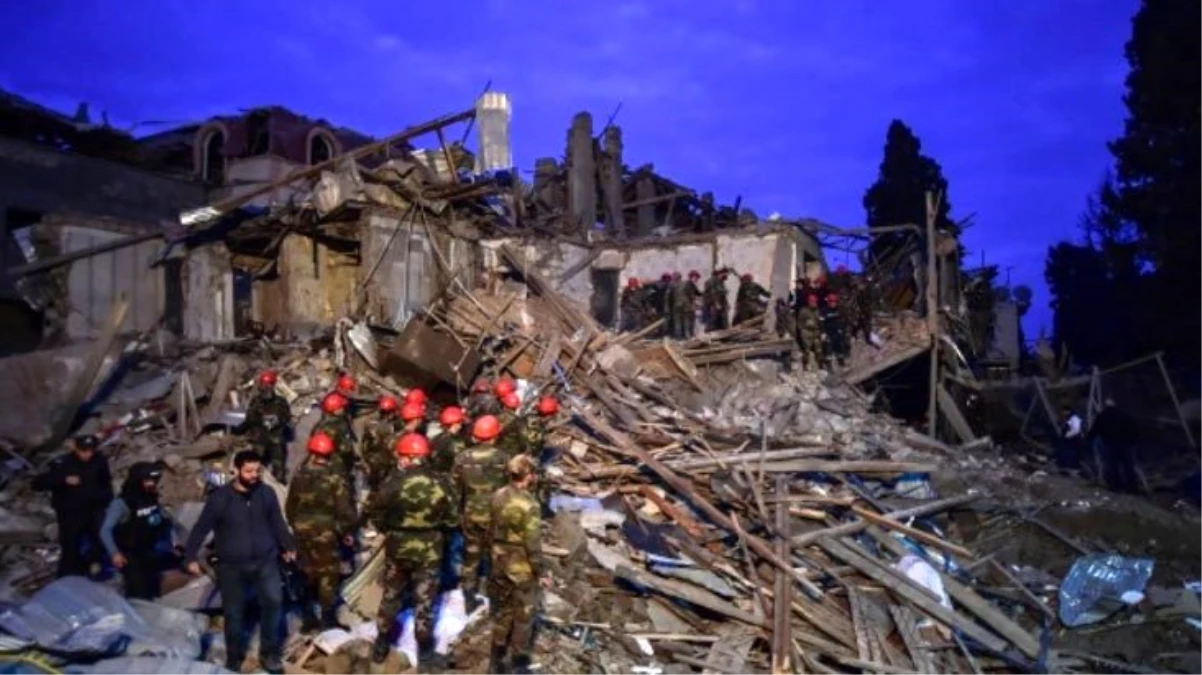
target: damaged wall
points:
(208, 294)
(314, 286)
(404, 280)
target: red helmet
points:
(412, 411)
(547, 405)
(632, 282)
(841, 269)
(321, 444)
(415, 395)
(386, 403)
(486, 428)
(746, 277)
(346, 384)
(832, 299)
(503, 387)
(412, 445)
(666, 276)
(820, 280)
(267, 378)
(333, 403)
(451, 414)
(511, 400)
(694, 274)
(480, 387)
(812, 300)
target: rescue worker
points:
(810, 335)
(413, 417)
(510, 440)
(417, 397)
(715, 303)
(415, 512)
(631, 306)
(535, 436)
(268, 421)
(448, 444)
(673, 306)
(336, 424)
(378, 440)
(517, 569)
(137, 532)
(345, 385)
(835, 330)
(691, 294)
(786, 324)
(865, 307)
(840, 283)
(751, 299)
(80, 487)
(321, 510)
(481, 400)
(477, 473)
(801, 290)
(1114, 436)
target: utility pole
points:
(932, 303)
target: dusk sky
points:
(785, 103)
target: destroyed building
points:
(715, 510)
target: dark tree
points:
(1080, 289)
(1158, 185)
(898, 197)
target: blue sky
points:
(784, 103)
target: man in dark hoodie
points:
(250, 536)
(80, 488)
(137, 532)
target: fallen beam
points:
(914, 512)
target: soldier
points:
(413, 416)
(345, 385)
(786, 326)
(841, 281)
(448, 444)
(809, 334)
(336, 424)
(632, 307)
(536, 442)
(673, 305)
(268, 420)
(477, 473)
(864, 291)
(321, 510)
(689, 303)
(750, 299)
(481, 400)
(517, 570)
(835, 329)
(378, 439)
(715, 303)
(510, 439)
(415, 512)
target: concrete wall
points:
(208, 294)
(94, 283)
(40, 179)
(251, 173)
(403, 279)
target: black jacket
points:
(91, 496)
(248, 530)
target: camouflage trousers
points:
(511, 604)
(275, 455)
(810, 345)
(318, 556)
(476, 542)
(418, 579)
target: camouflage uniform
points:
(688, 308)
(481, 403)
(517, 567)
(633, 310)
(477, 473)
(414, 511)
(510, 440)
(268, 418)
(321, 510)
(444, 448)
(377, 451)
(673, 297)
(653, 303)
(786, 324)
(836, 334)
(749, 301)
(338, 428)
(715, 303)
(864, 293)
(810, 337)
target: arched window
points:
(321, 148)
(212, 156)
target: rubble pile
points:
(715, 510)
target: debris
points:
(1099, 585)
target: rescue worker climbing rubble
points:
(751, 299)
(268, 423)
(321, 511)
(477, 473)
(415, 513)
(517, 567)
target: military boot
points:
(379, 651)
(521, 663)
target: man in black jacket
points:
(250, 536)
(137, 532)
(1114, 436)
(81, 488)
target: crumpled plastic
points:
(76, 615)
(1099, 585)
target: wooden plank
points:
(782, 597)
(913, 512)
(924, 537)
(868, 371)
(953, 415)
(688, 593)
